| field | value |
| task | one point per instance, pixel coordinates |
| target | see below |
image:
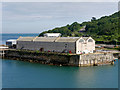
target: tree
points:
(93, 19)
(105, 28)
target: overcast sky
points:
(31, 17)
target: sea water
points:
(20, 74)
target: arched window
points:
(81, 40)
(90, 40)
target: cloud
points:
(47, 15)
(34, 11)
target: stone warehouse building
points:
(76, 45)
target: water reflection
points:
(33, 75)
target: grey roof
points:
(25, 38)
(45, 39)
(51, 39)
(67, 39)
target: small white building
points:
(52, 35)
(76, 45)
(11, 42)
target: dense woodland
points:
(104, 29)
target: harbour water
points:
(19, 74)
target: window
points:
(8, 43)
(90, 40)
(81, 40)
(65, 45)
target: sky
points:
(59, 0)
(35, 17)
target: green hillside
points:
(103, 29)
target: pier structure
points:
(62, 59)
(96, 59)
(2, 51)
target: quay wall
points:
(96, 59)
(60, 58)
(43, 57)
(116, 55)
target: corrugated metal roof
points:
(51, 39)
(45, 39)
(25, 38)
(67, 39)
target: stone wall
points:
(47, 46)
(60, 58)
(116, 55)
(96, 59)
(43, 57)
